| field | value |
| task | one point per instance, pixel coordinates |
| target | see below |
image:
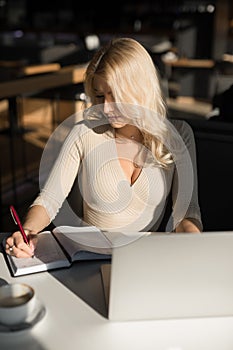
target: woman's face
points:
(103, 94)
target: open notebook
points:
(65, 245)
(161, 276)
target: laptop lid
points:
(176, 275)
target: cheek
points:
(98, 100)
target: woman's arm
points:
(47, 204)
(189, 225)
(186, 210)
(36, 220)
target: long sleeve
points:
(62, 175)
(185, 181)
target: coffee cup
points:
(17, 301)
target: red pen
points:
(18, 222)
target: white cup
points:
(17, 301)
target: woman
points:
(129, 157)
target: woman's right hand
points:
(16, 246)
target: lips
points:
(115, 119)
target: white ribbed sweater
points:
(111, 202)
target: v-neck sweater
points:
(110, 201)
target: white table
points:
(76, 319)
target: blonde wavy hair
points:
(130, 72)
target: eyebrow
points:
(101, 92)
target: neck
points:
(130, 132)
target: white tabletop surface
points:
(76, 319)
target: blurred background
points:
(202, 29)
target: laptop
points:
(170, 275)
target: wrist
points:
(28, 231)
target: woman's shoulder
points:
(183, 127)
(83, 126)
(185, 131)
(89, 128)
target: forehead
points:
(99, 84)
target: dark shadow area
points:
(80, 279)
(2, 282)
(10, 341)
(19, 169)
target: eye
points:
(99, 97)
(111, 97)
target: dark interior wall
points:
(167, 17)
(121, 15)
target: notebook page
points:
(75, 239)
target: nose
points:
(108, 106)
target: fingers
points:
(16, 246)
(33, 238)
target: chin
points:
(117, 125)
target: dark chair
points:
(214, 149)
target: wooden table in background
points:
(32, 83)
(190, 63)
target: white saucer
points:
(37, 314)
